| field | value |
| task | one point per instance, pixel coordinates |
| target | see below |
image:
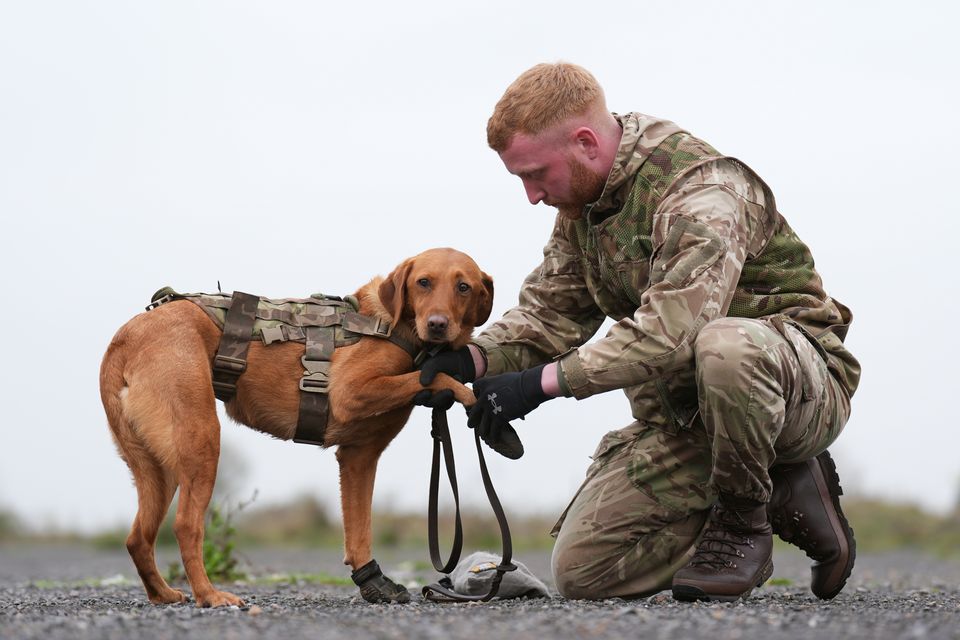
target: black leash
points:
(442, 591)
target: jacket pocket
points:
(673, 471)
(689, 248)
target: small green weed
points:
(218, 545)
(780, 582)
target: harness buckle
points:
(269, 335)
(316, 375)
(314, 385)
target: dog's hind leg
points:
(154, 483)
(197, 433)
(155, 383)
(155, 489)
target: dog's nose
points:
(437, 324)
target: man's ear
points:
(586, 141)
(393, 290)
(483, 304)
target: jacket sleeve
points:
(554, 314)
(700, 238)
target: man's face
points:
(552, 173)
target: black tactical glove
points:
(458, 364)
(442, 399)
(505, 397)
(502, 438)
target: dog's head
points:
(442, 292)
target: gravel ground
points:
(79, 593)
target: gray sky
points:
(285, 148)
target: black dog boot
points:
(804, 510)
(376, 587)
(734, 556)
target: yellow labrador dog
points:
(156, 387)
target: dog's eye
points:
(423, 282)
(463, 287)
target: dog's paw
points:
(384, 590)
(465, 396)
(170, 596)
(376, 587)
(219, 599)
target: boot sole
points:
(828, 483)
(690, 593)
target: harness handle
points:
(442, 591)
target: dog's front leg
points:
(376, 396)
(358, 467)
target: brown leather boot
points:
(804, 510)
(734, 556)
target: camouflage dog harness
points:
(321, 322)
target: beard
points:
(585, 187)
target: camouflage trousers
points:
(765, 397)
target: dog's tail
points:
(113, 389)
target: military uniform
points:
(725, 343)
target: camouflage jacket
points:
(680, 236)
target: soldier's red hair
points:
(543, 96)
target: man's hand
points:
(502, 438)
(505, 397)
(457, 364)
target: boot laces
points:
(720, 547)
(793, 529)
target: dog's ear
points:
(393, 290)
(483, 304)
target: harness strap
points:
(442, 591)
(231, 358)
(314, 385)
(365, 325)
(289, 332)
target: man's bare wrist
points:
(549, 380)
(479, 362)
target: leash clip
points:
(425, 354)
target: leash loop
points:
(442, 591)
(440, 431)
